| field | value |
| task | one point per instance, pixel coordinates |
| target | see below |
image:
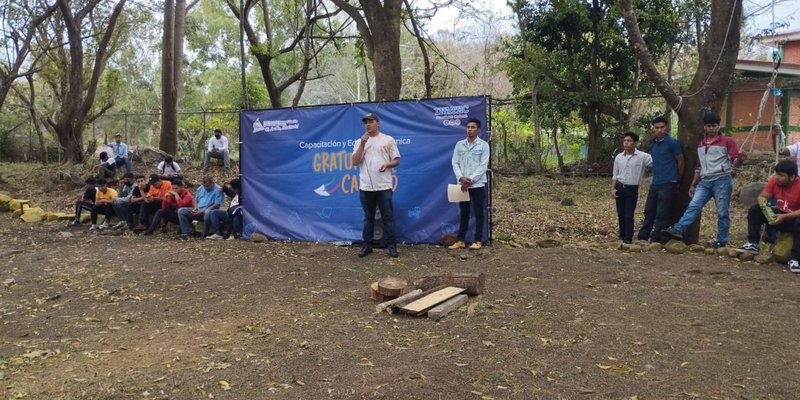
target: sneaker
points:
(215, 236)
(749, 247)
(719, 245)
(672, 233)
(120, 225)
(794, 266)
(104, 225)
(74, 223)
(393, 252)
(457, 245)
(139, 228)
(475, 246)
(93, 228)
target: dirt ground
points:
(97, 316)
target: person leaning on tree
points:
(376, 155)
(782, 189)
(713, 178)
(668, 166)
(629, 168)
(470, 162)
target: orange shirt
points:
(166, 186)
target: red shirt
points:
(787, 197)
(185, 200)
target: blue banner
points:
(299, 184)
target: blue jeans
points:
(383, 200)
(124, 160)
(720, 189)
(185, 217)
(222, 154)
(657, 210)
(216, 218)
(477, 201)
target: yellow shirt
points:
(110, 195)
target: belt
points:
(624, 186)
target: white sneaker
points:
(120, 225)
(794, 266)
(93, 227)
(104, 225)
(215, 236)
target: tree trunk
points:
(559, 157)
(78, 97)
(592, 137)
(423, 48)
(306, 38)
(537, 127)
(505, 143)
(379, 28)
(171, 71)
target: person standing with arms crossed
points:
(668, 166)
(377, 156)
(470, 162)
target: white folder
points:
(455, 195)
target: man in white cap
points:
(377, 156)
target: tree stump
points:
(392, 287)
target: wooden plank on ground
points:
(397, 306)
(473, 282)
(436, 313)
(432, 299)
(404, 299)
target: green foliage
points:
(565, 43)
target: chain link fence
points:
(143, 130)
(20, 140)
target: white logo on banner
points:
(451, 115)
(275, 126)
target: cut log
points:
(404, 299)
(392, 287)
(436, 313)
(375, 295)
(423, 304)
(473, 282)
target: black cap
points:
(177, 182)
(154, 178)
(370, 115)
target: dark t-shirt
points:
(137, 192)
(89, 194)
